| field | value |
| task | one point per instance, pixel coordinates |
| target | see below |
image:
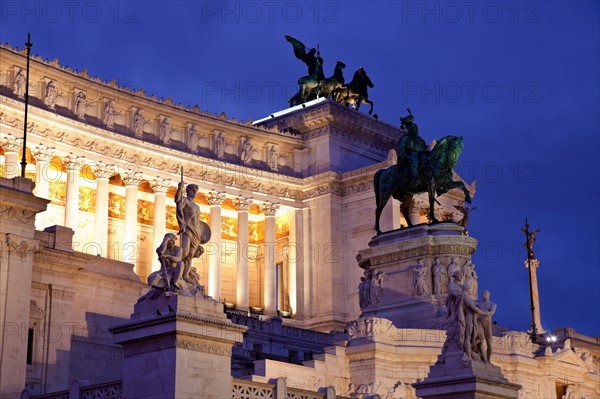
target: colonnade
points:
(131, 179)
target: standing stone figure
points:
(192, 230)
(376, 288)
(138, 121)
(79, 108)
(440, 277)
(486, 320)
(452, 267)
(109, 113)
(272, 157)
(192, 138)
(19, 84)
(470, 277)
(163, 131)
(51, 94)
(421, 286)
(246, 151)
(463, 333)
(220, 145)
(363, 293)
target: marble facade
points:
(290, 202)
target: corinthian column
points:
(103, 172)
(130, 244)
(160, 187)
(12, 149)
(242, 204)
(43, 155)
(215, 200)
(270, 294)
(73, 164)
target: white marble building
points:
(290, 203)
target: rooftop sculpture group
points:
(315, 85)
(418, 170)
(176, 274)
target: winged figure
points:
(300, 51)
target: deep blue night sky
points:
(518, 80)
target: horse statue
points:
(434, 177)
(356, 91)
(329, 85)
(309, 85)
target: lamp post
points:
(24, 157)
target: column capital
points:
(269, 208)
(533, 262)
(131, 178)
(215, 198)
(103, 171)
(73, 162)
(160, 185)
(242, 203)
(11, 143)
(41, 153)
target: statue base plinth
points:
(397, 253)
(176, 347)
(455, 377)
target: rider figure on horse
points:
(411, 147)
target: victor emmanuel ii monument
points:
(155, 250)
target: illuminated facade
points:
(289, 200)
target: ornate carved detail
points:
(24, 216)
(51, 93)
(103, 171)
(358, 187)
(203, 346)
(269, 208)
(242, 203)
(79, 104)
(21, 246)
(160, 185)
(35, 312)
(214, 197)
(441, 250)
(164, 129)
(11, 144)
(73, 162)
(41, 153)
(131, 178)
(18, 87)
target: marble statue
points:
(272, 158)
(421, 286)
(192, 138)
(486, 320)
(109, 113)
(470, 277)
(19, 84)
(167, 278)
(163, 131)
(452, 267)
(246, 151)
(220, 145)
(434, 176)
(370, 288)
(465, 332)
(79, 108)
(363, 293)
(192, 230)
(440, 277)
(51, 94)
(376, 288)
(137, 123)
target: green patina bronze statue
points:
(314, 85)
(418, 170)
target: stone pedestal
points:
(18, 207)
(455, 378)
(390, 287)
(177, 347)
